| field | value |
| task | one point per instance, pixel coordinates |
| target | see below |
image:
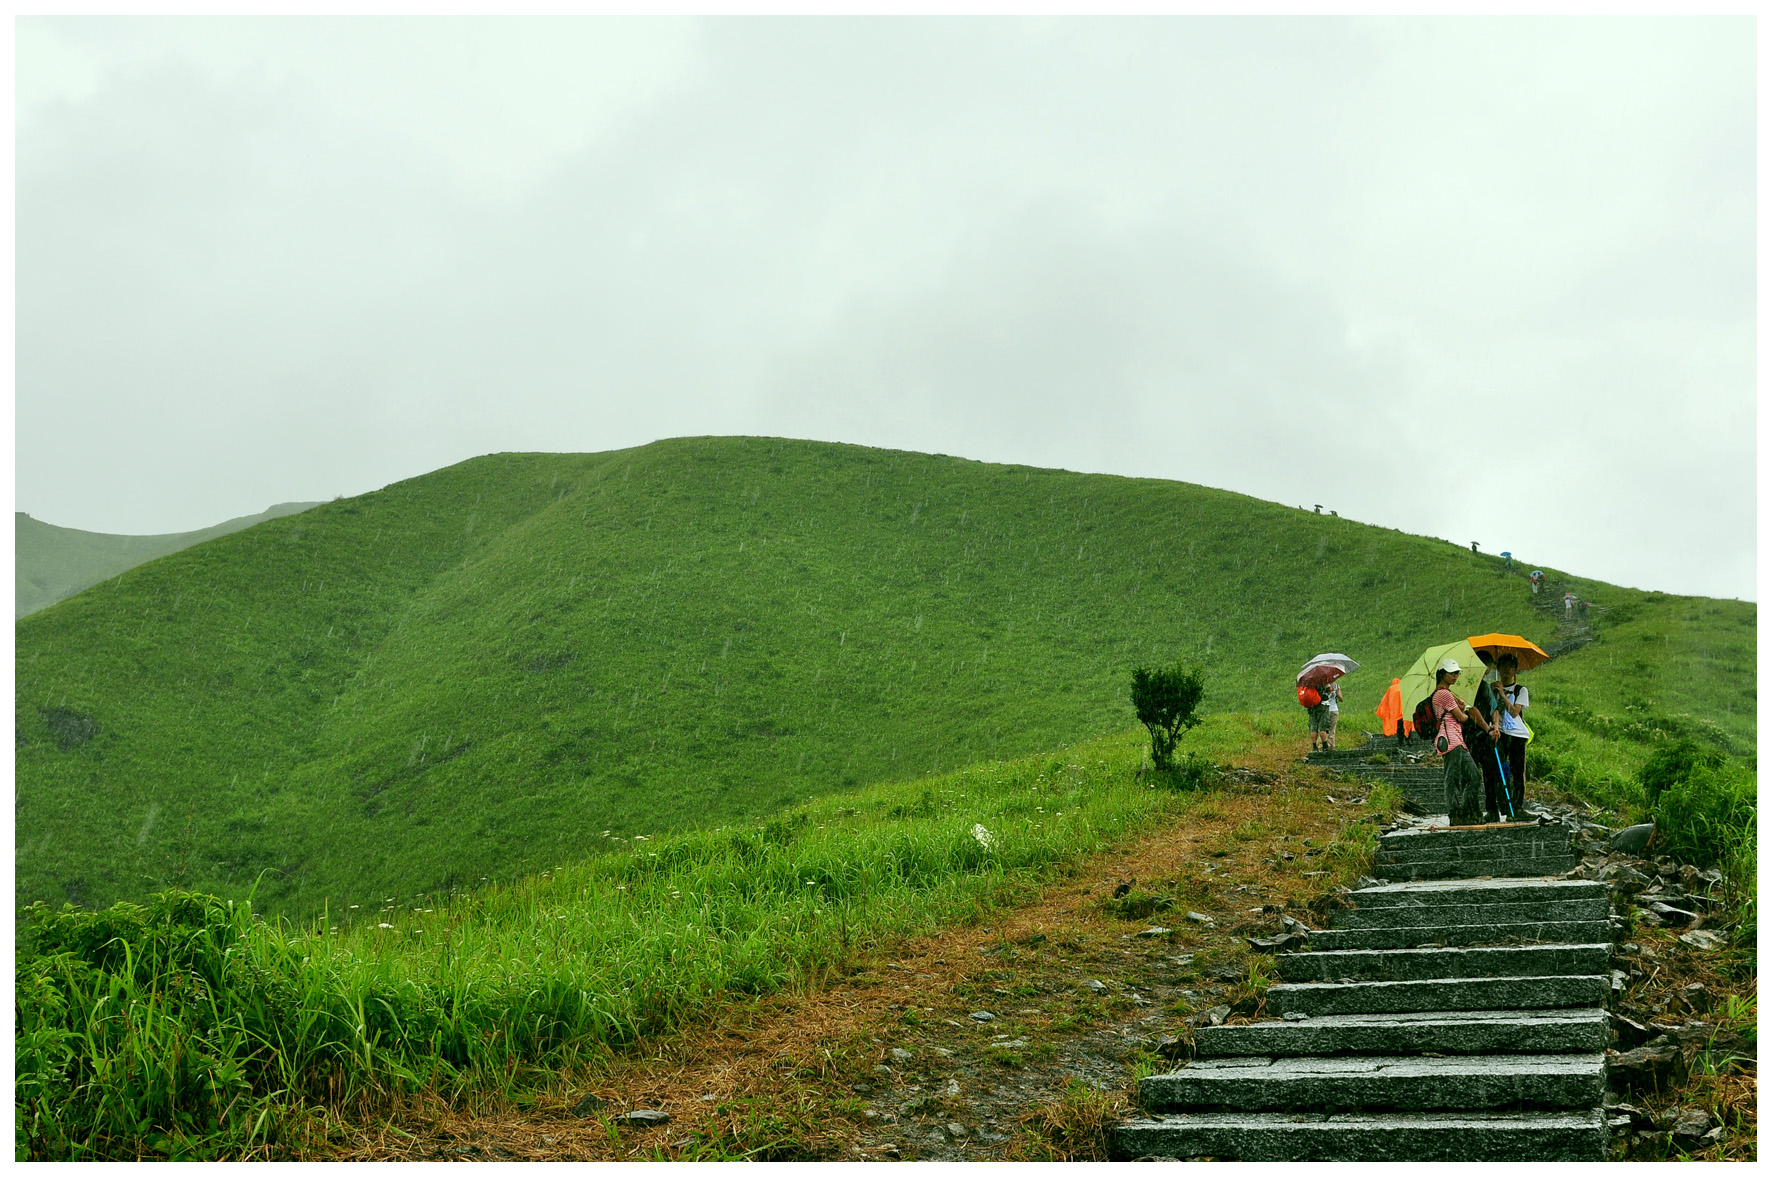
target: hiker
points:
(1332, 700)
(1568, 604)
(1390, 712)
(1480, 736)
(1537, 579)
(1464, 782)
(1514, 732)
(1319, 715)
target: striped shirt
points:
(1443, 703)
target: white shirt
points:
(1511, 724)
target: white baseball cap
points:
(1450, 666)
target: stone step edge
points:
(1575, 1030)
(1367, 1136)
(1465, 935)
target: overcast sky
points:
(1489, 280)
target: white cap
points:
(1450, 666)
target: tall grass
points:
(188, 1027)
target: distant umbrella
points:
(1325, 669)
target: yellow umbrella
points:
(1497, 644)
(1418, 680)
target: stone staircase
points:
(1411, 765)
(1456, 1012)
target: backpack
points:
(1425, 724)
(1308, 697)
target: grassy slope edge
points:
(476, 672)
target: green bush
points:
(1168, 704)
(1674, 762)
(1707, 816)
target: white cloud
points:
(266, 260)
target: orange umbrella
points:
(1497, 644)
(1390, 710)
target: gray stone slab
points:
(1584, 932)
(1354, 1136)
(1449, 911)
(1432, 892)
(1372, 997)
(1563, 1031)
(1422, 964)
(1442, 837)
(1525, 848)
(1473, 868)
(1380, 1083)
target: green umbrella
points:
(1418, 680)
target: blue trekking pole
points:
(1506, 793)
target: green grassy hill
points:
(53, 563)
(477, 672)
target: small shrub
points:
(1167, 701)
(1672, 763)
(1706, 817)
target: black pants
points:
(1483, 752)
(1513, 751)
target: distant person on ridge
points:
(1464, 783)
(1514, 732)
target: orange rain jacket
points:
(1390, 710)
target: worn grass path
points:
(1077, 998)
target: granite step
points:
(1563, 1031)
(1442, 838)
(1380, 1083)
(1474, 868)
(1318, 998)
(1398, 915)
(1427, 964)
(1540, 848)
(1464, 935)
(1356, 1136)
(1435, 892)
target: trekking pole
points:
(1507, 794)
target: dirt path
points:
(1014, 1038)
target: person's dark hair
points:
(1486, 658)
(1440, 678)
(1509, 660)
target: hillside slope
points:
(477, 672)
(53, 563)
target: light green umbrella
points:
(1418, 680)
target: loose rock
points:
(1632, 839)
(645, 1117)
(1704, 941)
(982, 1015)
(589, 1104)
(1656, 1066)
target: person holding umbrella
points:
(1464, 781)
(1514, 732)
(1511, 654)
(1318, 676)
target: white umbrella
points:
(1325, 669)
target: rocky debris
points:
(1151, 933)
(1689, 1124)
(1095, 986)
(1201, 918)
(645, 1117)
(589, 1104)
(1704, 941)
(1213, 1017)
(899, 1054)
(1632, 839)
(982, 1015)
(1655, 1066)
(1276, 943)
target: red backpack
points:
(1426, 726)
(1308, 697)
